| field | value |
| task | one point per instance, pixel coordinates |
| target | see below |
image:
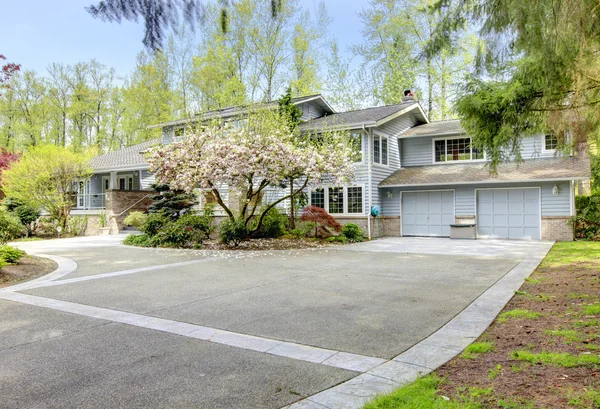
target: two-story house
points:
(422, 176)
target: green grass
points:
(518, 314)
(589, 398)
(593, 309)
(572, 252)
(532, 280)
(477, 348)
(27, 239)
(568, 334)
(420, 394)
(564, 360)
(592, 323)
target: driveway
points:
(131, 327)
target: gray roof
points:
(243, 109)
(358, 118)
(451, 126)
(559, 168)
(132, 156)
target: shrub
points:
(10, 226)
(273, 224)
(173, 235)
(3, 263)
(27, 214)
(154, 222)
(303, 229)
(587, 221)
(353, 232)
(76, 225)
(11, 254)
(338, 239)
(232, 231)
(135, 219)
(46, 227)
(321, 218)
(102, 218)
(171, 202)
(201, 226)
(140, 240)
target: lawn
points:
(543, 350)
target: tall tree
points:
(342, 87)
(7, 70)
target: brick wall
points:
(557, 228)
(125, 202)
(383, 226)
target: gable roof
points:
(129, 157)
(234, 111)
(546, 169)
(447, 127)
(367, 117)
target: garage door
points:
(509, 213)
(427, 213)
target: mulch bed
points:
(561, 295)
(269, 244)
(28, 268)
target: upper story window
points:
(455, 149)
(550, 142)
(356, 146)
(178, 133)
(380, 149)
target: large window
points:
(456, 149)
(338, 199)
(380, 149)
(356, 145)
(550, 142)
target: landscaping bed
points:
(543, 350)
(27, 268)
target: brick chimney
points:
(409, 95)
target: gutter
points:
(484, 182)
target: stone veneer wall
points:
(383, 226)
(557, 228)
(119, 201)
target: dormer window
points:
(550, 142)
(455, 150)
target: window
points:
(380, 149)
(457, 149)
(178, 133)
(550, 142)
(356, 145)
(126, 182)
(338, 200)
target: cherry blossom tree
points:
(249, 160)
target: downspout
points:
(369, 182)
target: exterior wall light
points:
(389, 194)
(555, 190)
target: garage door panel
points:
(427, 213)
(508, 213)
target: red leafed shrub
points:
(320, 217)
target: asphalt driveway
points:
(146, 328)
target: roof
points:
(449, 127)
(242, 109)
(132, 156)
(363, 117)
(547, 169)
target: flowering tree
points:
(250, 160)
(6, 72)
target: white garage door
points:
(427, 213)
(509, 213)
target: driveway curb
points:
(432, 352)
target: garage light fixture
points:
(555, 190)
(389, 194)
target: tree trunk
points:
(292, 212)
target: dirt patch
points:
(28, 268)
(562, 294)
(269, 244)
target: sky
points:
(36, 33)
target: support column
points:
(112, 182)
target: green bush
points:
(273, 224)
(201, 226)
(27, 215)
(46, 227)
(303, 229)
(154, 222)
(10, 254)
(76, 225)
(232, 231)
(338, 239)
(140, 240)
(135, 219)
(353, 233)
(587, 221)
(10, 226)
(173, 235)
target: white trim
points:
(485, 182)
(544, 150)
(103, 188)
(126, 176)
(508, 188)
(426, 190)
(440, 134)
(402, 112)
(362, 145)
(433, 140)
(120, 168)
(381, 135)
(572, 198)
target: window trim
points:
(544, 149)
(345, 198)
(362, 145)
(126, 176)
(381, 137)
(447, 138)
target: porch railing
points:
(89, 201)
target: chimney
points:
(409, 95)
